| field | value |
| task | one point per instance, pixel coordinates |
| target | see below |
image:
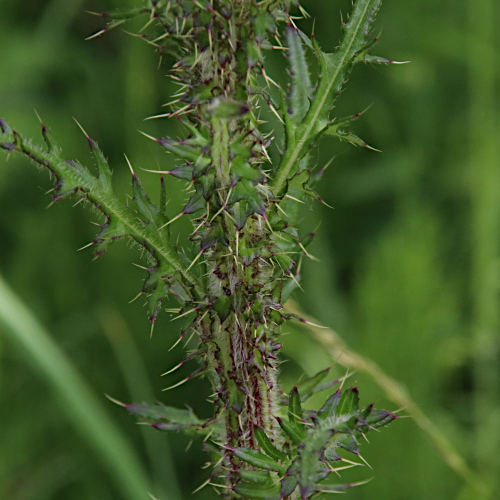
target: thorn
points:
(308, 322)
(207, 482)
(163, 115)
(163, 172)
(176, 385)
(86, 246)
(95, 35)
(82, 129)
(366, 463)
(174, 368)
(39, 119)
(136, 297)
(298, 284)
(321, 200)
(148, 136)
(367, 146)
(113, 400)
(78, 202)
(312, 257)
(185, 314)
(153, 321)
(294, 199)
(179, 340)
(221, 486)
(140, 267)
(171, 220)
(276, 113)
(200, 253)
(129, 165)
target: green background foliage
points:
(408, 271)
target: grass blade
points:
(81, 405)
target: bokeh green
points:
(409, 256)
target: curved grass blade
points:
(80, 404)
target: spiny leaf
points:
(147, 209)
(379, 418)
(309, 386)
(349, 402)
(295, 408)
(268, 491)
(255, 476)
(73, 177)
(196, 202)
(258, 459)
(329, 409)
(185, 152)
(296, 434)
(334, 71)
(301, 82)
(111, 231)
(288, 485)
(267, 446)
(245, 190)
(353, 139)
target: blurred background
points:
(409, 269)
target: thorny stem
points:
(247, 249)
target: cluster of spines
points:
(249, 245)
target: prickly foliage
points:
(246, 248)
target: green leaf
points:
(347, 136)
(102, 165)
(288, 485)
(156, 413)
(334, 72)
(258, 459)
(240, 169)
(226, 108)
(146, 207)
(379, 418)
(255, 476)
(185, 152)
(349, 402)
(295, 408)
(328, 410)
(196, 202)
(74, 177)
(301, 82)
(267, 446)
(293, 199)
(223, 307)
(245, 190)
(310, 385)
(268, 491)
(295, 433)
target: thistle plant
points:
(243, 258)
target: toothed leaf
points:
(268, 491)
(295, 408)
(258, 459)
(349, 402)
(161, 415)
(301, 82)
(267, 446)
(310, 385)
(329, 409)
